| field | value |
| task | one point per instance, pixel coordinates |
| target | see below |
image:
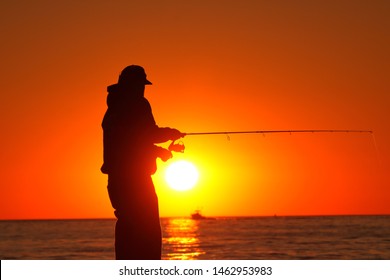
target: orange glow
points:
(182, 239)
(245, 65)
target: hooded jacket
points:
(129, 134)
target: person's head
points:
(133, 78)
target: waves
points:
(281, 238)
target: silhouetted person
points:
(129, 135)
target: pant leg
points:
(137, 231)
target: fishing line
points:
(378, 160)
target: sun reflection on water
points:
(180, 240)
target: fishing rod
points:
(179, 147)
(281, 131)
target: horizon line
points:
(189, 217)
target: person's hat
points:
(133, 73)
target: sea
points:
(220, 238)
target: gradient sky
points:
(216, 65)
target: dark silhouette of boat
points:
(197, 215)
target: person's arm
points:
(160, 134)
(162, 153)
(164, 134)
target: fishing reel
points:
(176, 147)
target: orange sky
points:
(215, 66)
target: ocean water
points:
(280, 238)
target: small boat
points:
(197, 215)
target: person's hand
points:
(164, 154)
(176, 134)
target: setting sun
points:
(181, 175)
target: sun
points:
(181, 175)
